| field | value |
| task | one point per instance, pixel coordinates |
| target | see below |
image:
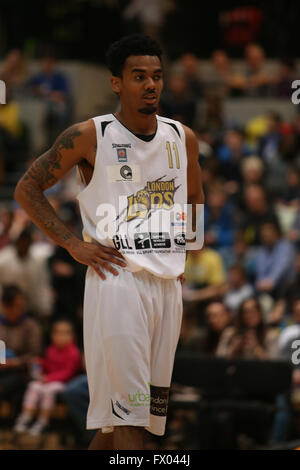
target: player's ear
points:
(115, 84)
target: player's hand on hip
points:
(98, 257)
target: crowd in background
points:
(242, 290)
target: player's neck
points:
(138, 123)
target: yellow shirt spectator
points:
(204, 267)
(10, 118)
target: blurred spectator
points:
(189, 67)
(6, 218)
(67, 275)
(191, 335)
(204, 275)
(252, 338)
(294, 232)
(269, 148)
(238, 288)
(76, 397)
(177, 102)
(291, 194)
(13, 138)
(211, 116)
(258, 77)
(53, 87)
(219, 330)
(218, 219)
(13, 71)
(283, 81)
(213, 338)
(23, 264)
(275, 260)
(255, 211)
(22, 337)
(290, 333)
(61, 363)
(218, 79)
(252, 170)
(230, 155)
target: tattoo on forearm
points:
(39, 177)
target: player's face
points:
(141, 84)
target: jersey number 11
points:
(170, 156)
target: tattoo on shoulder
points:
(41, 170)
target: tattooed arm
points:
(68, 150)
(74, 145)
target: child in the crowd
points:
(61, 363)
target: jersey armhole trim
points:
(91, 182)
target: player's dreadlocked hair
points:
(134, 44)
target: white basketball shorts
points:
(131, 329)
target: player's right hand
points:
(98, 257)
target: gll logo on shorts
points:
(126, 172)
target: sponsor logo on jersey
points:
(122, 408)
(179, 239)
(119, 173)
(180, 216)
(157, 240)
(155, 195)
(159, 400)
(126, 172)
(122, 155)
(126, 146)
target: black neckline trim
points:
(148, 138)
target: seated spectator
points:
(13, 139)
(213, 337)
(190, 68)
(13, 71)
(53, 87)
(258, 77)
(286, 350)
(22, 337)
(204, 275)
(290, 196)
(219, 329)
(61, 363)
(291, 332)
(67, 276)
(212, 116)
(286, 74)
(256, 209)
(275, 260)
(252, 338)
(219, 79)
(76, 397)
(252, 170)
(176, 103)
(294, 233)
(238, 288)
(230, 154)
(23, 265)
(269, 148)
(218, 219)
(191, 335)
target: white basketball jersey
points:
(136, 199)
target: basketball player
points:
(133, 297)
